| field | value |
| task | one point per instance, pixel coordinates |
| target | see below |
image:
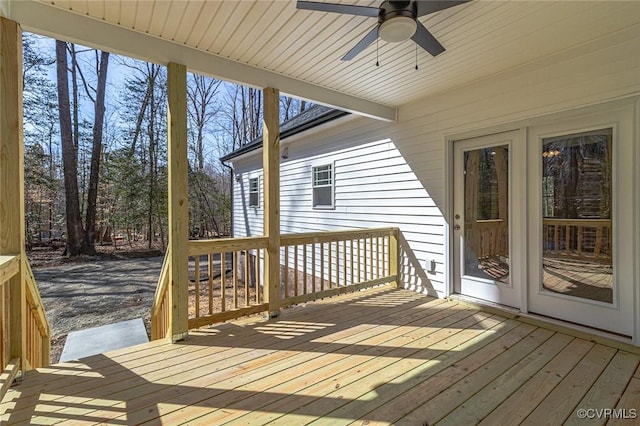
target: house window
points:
(323, 186)
(254, 192)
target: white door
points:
(487, 219)
(580, 222)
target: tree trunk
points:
(96, 151)
(76, 243)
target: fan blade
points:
(362, 44)
(427, 41)
(425, 7)
(339, 8)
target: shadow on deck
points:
(383, 355)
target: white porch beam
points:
(69, 26)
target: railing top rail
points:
(198, 247)
(33, 297)
(163, 283)
(327, 236)
(577, 222)
(9, 266)
(489, 221)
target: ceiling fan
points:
(397, 21)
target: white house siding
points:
(374, 188)
(396, 174)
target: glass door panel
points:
(577, 257)
(486, 206)
(488, 228)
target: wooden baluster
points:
(223, 284)
(378, 257)
(371, 265)
(351, 264)
(580, 238)
(359, 261)
(329, 266)
(321, 266)
(3, 325)
(304, 269)
(210, 282)
(235, 279)
(295, 270)
(567, 239)
(197, 283)
(256, 268)
(598, 247)
(556, 239)
(286, 271)
(344, 262)
(313, 268)
(247, 277)
(337, 263)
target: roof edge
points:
(257, 143)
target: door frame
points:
(630, 104)
(616, 316)
(516, 214)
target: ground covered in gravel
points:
(95, 290)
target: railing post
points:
(271, 168)
(178, 202)
(394, 255)
(12, 179)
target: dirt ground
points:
(91, 291)
(119, 285)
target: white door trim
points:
(508, 294)
(616, 316)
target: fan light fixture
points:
(398, 28)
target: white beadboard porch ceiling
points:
(481, 37)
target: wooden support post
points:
(271, 167)
(12, 227)
(178, 205)
(394, 255)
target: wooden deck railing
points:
(488, 238)
(160, 307)
(37, 341)
(9, 267)
(317, 265)
(584, 239)
(214, 296)
(227, 275)
(38, 328)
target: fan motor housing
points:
(390, 9)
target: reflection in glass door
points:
(577, 258)
(486, 222)
(488, 228)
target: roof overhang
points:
(328, 117)
(52, 21)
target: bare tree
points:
(76, 241)
(202, 110)
(80, 238)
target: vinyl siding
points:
(374, 187)
(396, 174)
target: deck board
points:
(524, 400)
(380, 356)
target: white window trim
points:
(333, 185)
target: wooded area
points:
(95, 147)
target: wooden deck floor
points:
(381, 356)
